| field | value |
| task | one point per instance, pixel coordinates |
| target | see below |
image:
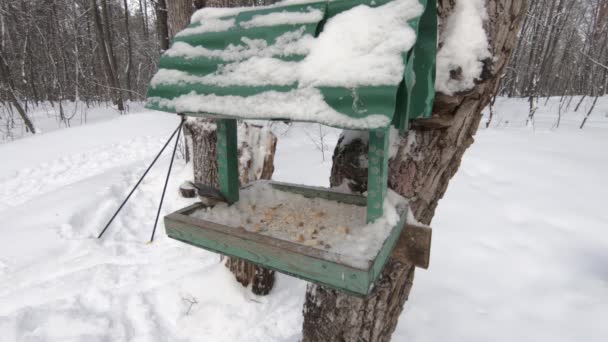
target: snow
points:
(209, 25)
(46, 116)
(464, 45)
(288, 44)
(305, 104)
(327, 225)
(207, 13)
(519, 241)
(359, 47)
(363, 46)
(284, 18)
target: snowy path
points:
(59, 283)
(520, 243)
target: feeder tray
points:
(344, 271)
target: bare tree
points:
(129, 51)
(4, 72)
(318, 138)
(562, 50)
(589, 112)
(108, 57)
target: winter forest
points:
(507, 169)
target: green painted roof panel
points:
(247, 65)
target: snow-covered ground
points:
(520, 249)
(46, 116)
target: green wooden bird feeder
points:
(353, 64)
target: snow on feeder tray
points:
(353, 64)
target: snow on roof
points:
(272, 62)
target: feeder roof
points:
(339, 63)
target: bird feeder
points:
(283, 62)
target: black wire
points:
(162, 197)
(178, 129)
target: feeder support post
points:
(420, 76)
(227, 159)
(377, 172)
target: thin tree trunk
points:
(129, 51)
(532, 100)
(426, 161)
(143, 9)
(106, 55)
(491, 116)
(6, 78)
(589, 112)
(579, 103)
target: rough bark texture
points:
(427, 159)
(180, 12)
(202, 138)
(162, 26)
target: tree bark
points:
(202, 138)
(255, 138)
(426, 161)
(180, 12)
(107, 52)
(129, 50)
(162, 25)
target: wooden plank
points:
(305, 262)
(227, 159)
(283, 256)
(184, 217)
(319, 192)
(377, 172)
(417, 240)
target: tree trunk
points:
(162, 25)
(5, 75)
(180, 12)
(143, 11)
(202, 138)
(589, 112)
(427, 159)
(107, 52)
(129, 51)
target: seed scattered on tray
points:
(332, 226)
